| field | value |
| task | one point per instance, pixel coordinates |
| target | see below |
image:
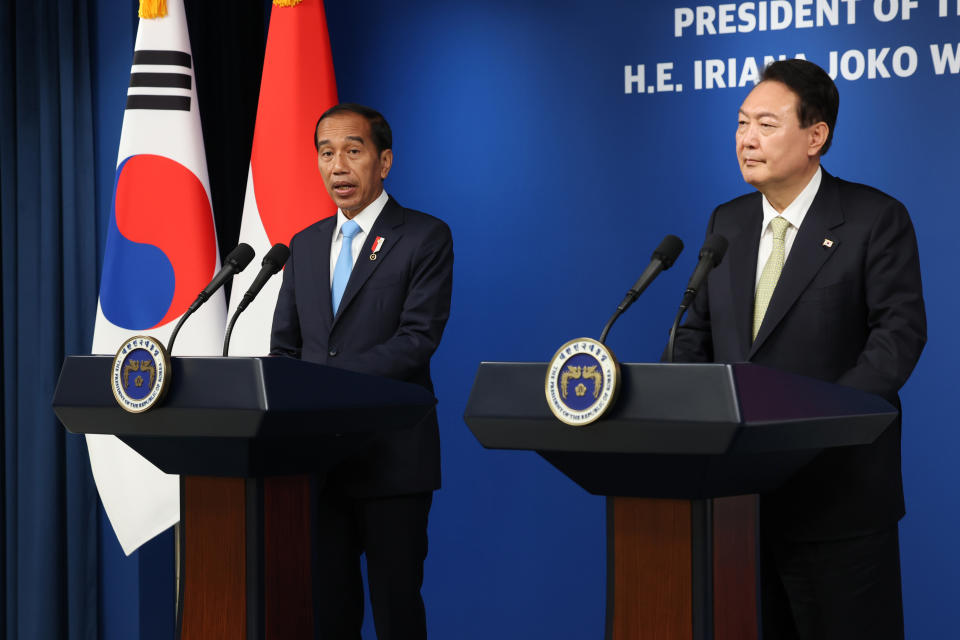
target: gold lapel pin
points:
(827, 242)
(373, 256)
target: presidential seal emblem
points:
(140, 375)
(582, 381)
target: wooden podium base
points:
(246, 559)
(682, 569)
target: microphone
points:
(236, 262)
(662, 259)
(710, 256)
(272, 263)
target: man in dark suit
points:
(821, 278)
(369, 290)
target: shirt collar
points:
(796, 211)
(365, 218)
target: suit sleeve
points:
(896, 319)
(694, 341)
(285, 339)
(422, 318)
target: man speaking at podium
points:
(369, 290)
(821, 278)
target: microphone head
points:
(715, 246)
(670, 247)
(240, 257)
(276, 257)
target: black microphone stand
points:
(673, 332)
(233, 321)
(176, 329)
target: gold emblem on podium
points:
(140, 375)
(582, 381)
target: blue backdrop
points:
(513, 123)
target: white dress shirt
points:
(365, 219)
(795, 212)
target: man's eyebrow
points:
(359, 139)
(759, 114)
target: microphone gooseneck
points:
(711, 254)
(662, 259)
(271, 264)
(236, 261)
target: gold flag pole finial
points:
(153, 9)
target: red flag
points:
(285, 192)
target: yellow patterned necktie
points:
(771, 272)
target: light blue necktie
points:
(341, 273)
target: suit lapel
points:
(389, 225)
(743, 273)
(807, 256)
(320, 266)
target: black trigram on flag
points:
(160, 80)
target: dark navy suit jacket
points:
(848, 308)
(389, 324)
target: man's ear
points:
(386, 161)
(818, 138)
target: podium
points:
(242, 431)
(680, 456)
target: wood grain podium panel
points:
(246, 559)
(652, 569)
(735, 577)
(288, 602)
(682, 569)
(214, 563)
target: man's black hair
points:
(379, 129)
(819, 100)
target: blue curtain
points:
(49, 288)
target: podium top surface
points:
(683, 409)
(238, 397)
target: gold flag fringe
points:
(286, 3)
(153, 8)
